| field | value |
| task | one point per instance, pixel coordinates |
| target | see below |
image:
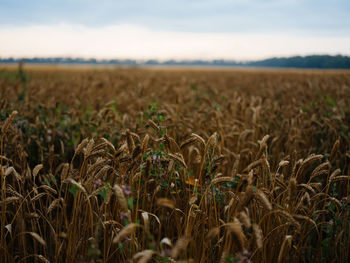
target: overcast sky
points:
(163, 29)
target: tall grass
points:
(175, 166)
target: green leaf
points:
(120, 246)
(130, 202)
(232, 259)
(154, 107)
(103, 193)
(73, 189)
(331, 101)
(114, 107)
(161, 146)
(193, 87)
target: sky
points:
(163, 29)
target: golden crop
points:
(181, 165)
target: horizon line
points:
(121, 59)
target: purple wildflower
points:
(126, 189)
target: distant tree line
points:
(315, 61)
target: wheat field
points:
(174, 165)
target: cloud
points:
(136, 42)
(298, 17)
